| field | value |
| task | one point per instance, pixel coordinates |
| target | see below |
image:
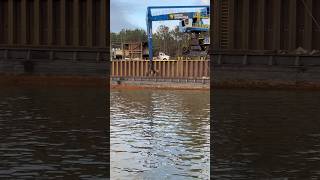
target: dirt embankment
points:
(46, 80)
(94, 81)
(158, 85)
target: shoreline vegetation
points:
(170, 41)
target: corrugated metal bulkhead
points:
(265, 25)
(53, 23)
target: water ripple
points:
(51, 137)
(159, 134)
(266, 134)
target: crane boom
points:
(183, 17)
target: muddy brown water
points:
(160, 134)
(53, 133)
(260, 134)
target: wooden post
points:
(138, 68)
(130, 68)
(112, 68)
(168, 68)
(121, 68)
(117, 68)
(201, 68)
(173, 64)
(146, 65)
(125, 68)
(134, 68)
(186, 74)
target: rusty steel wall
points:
(265, 26)
(54, 23)
(164, 69)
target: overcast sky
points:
(129, 14)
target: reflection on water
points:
(52, 133)
(159, 135)
(266, 134)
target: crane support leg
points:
(149, 29)
(197, 26)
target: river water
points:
(53, 133)
(160, 134)
(60, 133)
(266, 134)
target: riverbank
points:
(53, 80)
(100, 81)
(163, 84)
(265, 85)
(97, 81)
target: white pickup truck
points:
(163, 56)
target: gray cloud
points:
(121, 11)
(118, 16)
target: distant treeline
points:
(165, 40)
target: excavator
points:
(191, 22)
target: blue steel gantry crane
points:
(190, 22)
